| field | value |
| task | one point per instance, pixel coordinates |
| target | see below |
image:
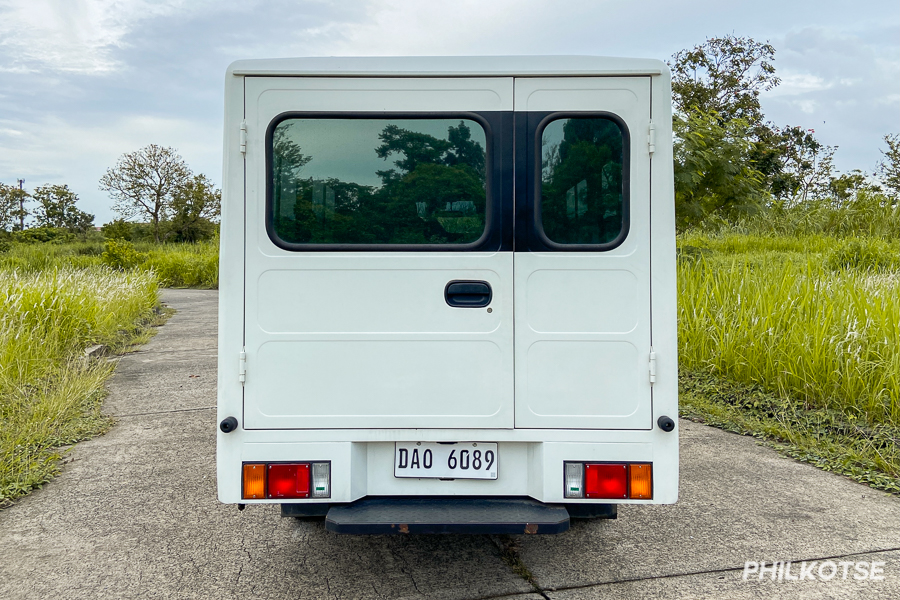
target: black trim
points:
(592, 511)
(305, 509)
(521, 177)
(498, 170)
(530, 234)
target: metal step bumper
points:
(380, 516)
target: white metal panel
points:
(270, 96)
(583, 318)
(329, 299)
(664, 301)
(530, 459)
(366, 339)
(229, 400)
(524, 469)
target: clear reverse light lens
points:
(321, 480)
(574, 480)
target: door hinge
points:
(651, 139)
(244, 136)
(242, 373)
(652, 366)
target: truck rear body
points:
(447, 278)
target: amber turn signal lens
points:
(640, 480)
(254, 481)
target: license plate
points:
(456, 460)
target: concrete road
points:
(134, 515)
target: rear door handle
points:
(468, 294)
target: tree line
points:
(152, 184)
(732, 162)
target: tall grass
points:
(49, 395)
(174, 265)
(868, 214)
(185, 265)
(805, 327)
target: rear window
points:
(582, 199)
(378, 181)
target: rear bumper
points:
(387, 516)
(380, 516)
(527, 467)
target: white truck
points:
(447, 291)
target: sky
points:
(84, 81)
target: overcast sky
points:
(84, 81)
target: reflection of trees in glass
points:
(287, 162)
(581, 183)
(435, 194)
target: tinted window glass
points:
(378, 181)
(582, 181)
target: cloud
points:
(793, 84)
(842, 83)
(78, 36)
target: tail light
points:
(321, 480)
(254, 481)
(640, 481)
(286, 480)
(608, 481)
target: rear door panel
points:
(583, 317)
(365, 339)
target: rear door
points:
(378, 280)
(582, 261)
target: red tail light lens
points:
(288, 480)
(605, 481)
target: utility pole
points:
(22, 205)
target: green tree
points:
(713, 174)
(724, 75)
(889, 168)
(118, 229)
(195, 207)
(806, 168)
(57, 208)
(739, 157)
(414, 146)
(586, 162)
(145, 182)
(464, 150)
(846, 187)
(12, 207)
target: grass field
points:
(49, 394)
(796, 339)
(174, 265)
(57, 299)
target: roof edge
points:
(449, 66)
